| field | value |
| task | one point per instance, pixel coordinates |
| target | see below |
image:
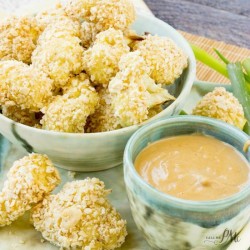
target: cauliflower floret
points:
(68, 113)
(18, 37)
(47, 17)
(134, 92)
(23, 116)
(80, 216)
(165, 59)
(222, 105)
(59, 53)
(24, 86)
(29, 180)
(104, 118)
(118, 14)
(88, 33)
(155, 110)
(101, 60)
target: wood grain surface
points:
(223, 20)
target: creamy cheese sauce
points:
(193, 167)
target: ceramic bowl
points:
(93, 152)
(168, 222)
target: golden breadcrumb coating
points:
(68, 113)
(88, 33)
(118, 14)
(23, 116)
(59, 53)
(29, 180)
(221, 104)
(18, 37)
(134, 92)
(63, 29)
(104, 118)
(45, 18)
(101, 60)
(80, 217)
(165, 59)
(24, 86)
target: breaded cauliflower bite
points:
(134, 92)
(165, 59)
(18, 37)
(29, 180)
(104, 118)
(221, 104)
(80, 217)
(118, 14)
(101, 60)
(24, 86)
(23, 116)
(69, 112)
(59, 53)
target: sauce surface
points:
(193, 167)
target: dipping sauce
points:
(193, 167)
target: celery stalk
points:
(223, 58)
(240, 88)
(209, 60)
(246, 65)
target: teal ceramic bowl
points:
(172, 223)
(93, 152)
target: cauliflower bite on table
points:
(59, 53)
(18, 37)
(104, 118)
(80, 217)
(23, 116)
(24, 86)
(221, 104)
(165, 59)
(118, 14)
(101, 60)
(134, 92)
(29, 180)
(69, 112)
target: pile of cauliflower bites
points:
(79, 68)
(78, 217)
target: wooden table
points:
(224, 20)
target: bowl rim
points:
(184, 93)
(190, 205)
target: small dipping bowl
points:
(172, 223)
